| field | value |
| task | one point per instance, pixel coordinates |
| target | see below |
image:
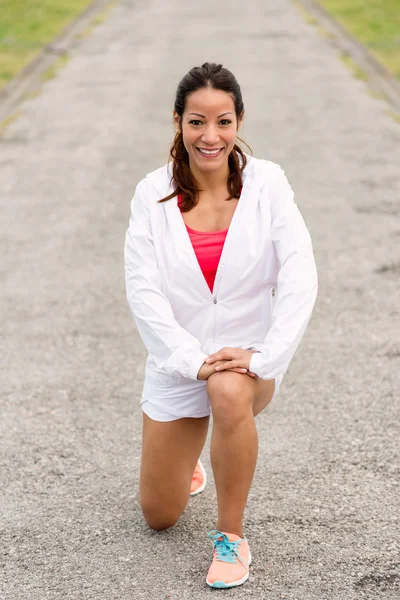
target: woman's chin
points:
(210, 164)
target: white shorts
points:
(165, 399)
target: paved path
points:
(323, 517)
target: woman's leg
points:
(235, 400)
(265, 390)
(170, 451)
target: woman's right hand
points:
(206, 370)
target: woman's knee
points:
(160, 517)
(169, 454)
(231, 398)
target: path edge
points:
(30, 76)
(379, 78)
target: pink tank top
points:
(207, 246)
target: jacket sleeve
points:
(174, 349)
(297, 282)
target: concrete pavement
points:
(323, 516)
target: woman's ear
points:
(177, 122)
(240, 120)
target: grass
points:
(55, 67)
(358, 72)
(307, 16)
(26, 26)
(98, 20)
(375, 23)
(8, 120)
(394, 115)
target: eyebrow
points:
(203, 116)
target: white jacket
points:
(265, 287)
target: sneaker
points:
(230, 561)
(199, 479)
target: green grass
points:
(375, 23)
(394, 115)
(53, 70)
(358, 72)
(8, 120)
(28, 25)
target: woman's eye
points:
(225, 122)
(194, 122)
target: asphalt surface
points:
(323, 514)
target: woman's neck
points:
(211, 181)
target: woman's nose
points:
(210, 135)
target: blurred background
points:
(86, 99)
(26, 26)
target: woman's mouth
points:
(210, 153)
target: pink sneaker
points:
(199, 480)
(230, 562)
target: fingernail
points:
(216, 368)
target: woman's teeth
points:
(210, 152)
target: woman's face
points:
(209, 127)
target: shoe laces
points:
(225, 550)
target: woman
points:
(221, 282)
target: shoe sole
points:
(222, 584)
(202, 487)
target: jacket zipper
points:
(272, 302)
(214, 297)
(215, 314)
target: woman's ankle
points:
(226, 528)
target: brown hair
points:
(218, 78)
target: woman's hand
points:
(206, 370)
(214, 364)
(233, 358)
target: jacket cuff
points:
(255, 363)
(196, 365)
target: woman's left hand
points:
(235, 357)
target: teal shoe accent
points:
(226, 551)
(219, 584)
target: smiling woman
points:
(203, 146)
(221, 281)
(211, 136)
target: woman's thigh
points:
(170, 451)
(265, 390)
